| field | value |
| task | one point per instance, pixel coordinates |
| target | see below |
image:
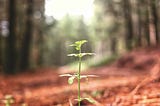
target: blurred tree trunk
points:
(146, 26)
(57, 53)
(41, 41)
(27, 39)
(40, 47)
(139, 38)
(113, 45)
(10, 65)
(128, 23)
(143, 23)
(1, 52)
(154, 13)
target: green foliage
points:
(73, 65)
(8, 100)
(104, 61)
(88, 99)
(81, 54)
(77, 45)
(71, 79)
(57, 39)
(97, 93)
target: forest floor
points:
(113, 87)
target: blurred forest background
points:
(30, 39)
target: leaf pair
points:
(78, 44)
(8, 100)
(72, 77)
(81, 54)
(88, 99)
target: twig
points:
(70, 102)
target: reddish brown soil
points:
(113, 87)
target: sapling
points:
(77, 45)
(8, 100)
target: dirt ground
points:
(115, 85)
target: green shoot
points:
(77, 45)
(8, 100)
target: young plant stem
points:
(79, 79)
(78, 76)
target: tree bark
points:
(143, 23)
(27, 40)
(128, 24)
(155, 19)
(113, 45)
(139, 38)
(10, 66)
(1, 53)
(40, 44)
(147, 32)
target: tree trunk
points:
(143, 23)
(155, 19)
(27, 40)
(40, 44)
(113, 45)
(147, 32)
(10, 66)
(1, 53)
(139, 38)
(128, 24)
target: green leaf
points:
(85, 54)
(81, 54)
(65, 75)
(75, 55)
(81, 42)
(71, 79)
(90, 100)
(72, 45)
(87, 76)
(92, 76)
(78, 47)
(78, 44)
(83, 76)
